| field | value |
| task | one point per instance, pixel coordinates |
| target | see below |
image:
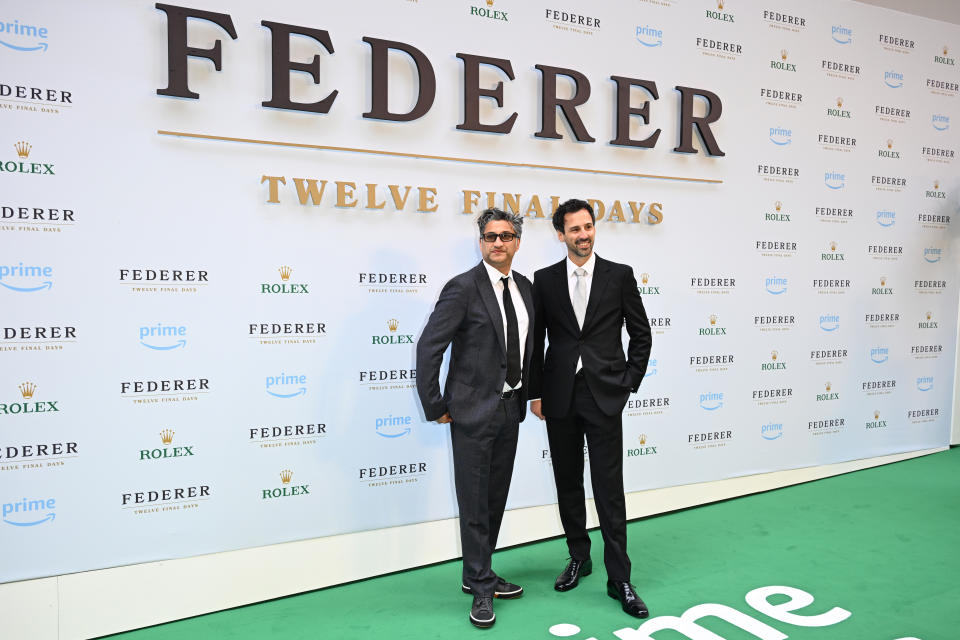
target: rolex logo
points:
(166, 436)
(713, 319)
(27, 390)
(829, 386)
(839, 102)
(929, 315)
(833, 246)
(286, 476)
(489, 3)
(777, 205)
(889, 143)
(644, 278)
(774, 354)
(285, 273)
(876, 415)
(883, 281)
(936, 184)
(720, 5)
(783, 54)
(643, 438)
(23, 149)
(392, 324)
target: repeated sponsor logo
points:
(547, 458)
(660, 325)
(780, 63)
(145, 392)
(711, 362)
(825, 356)
(20, 165)
(166, 452)
(771, 431)
(774, 363)
(927, 321)
(29, 512)
(893, 79)
(926, 351)
(831, 142)
(36, 219)
(287, 488)
(942, 57)
(775, 285)
(781, 98)
(776, 248)
(776, 396)
(21, 98)
(651, 406)
(832, 253)
(931, 287)
(879, 355)
(720, 49)
(649, 36)
(712, 328)
(776, 173)
(883, 289)
(887, 151)
(572, 22)
(937, 154)
(933, 220)
(898, 44)
(878, 387)
(393, 474)
(284, 286)
(165, 500)
(840, 69)
(27, 403)
(296, 333)
(647, 288)
(37, 339)
(829, 393)
(286, 385)
(22, 457)
(841, 34)
(29, 278)
(721, 285)
(393, 337)
(721, 13)
(939, 87)
(163, 337)
(651, 368)
(881, 320)
(24, 37)
(387, 379)
(391, 426)
(940, 121)
(934, 194)
(778, 214)
(885, 252)
(886, 218)
(645, 448)
(836, 110)
(392, 282)
(487, 12)
(834, 180)
(711, 400)
(710, 439)
(831, 286)
(775, 323)
(826, 426)
(892, 114)
(932, 255)
(876, 422)
(829, 322)
(894, 184)
(834, 215)
(780, 136)
(924, 383)
(917, 416)
(151, 280)
(287, 435)
(784, 22)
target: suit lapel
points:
(489, 299)
(566, 305)
(597, 287)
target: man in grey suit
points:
(486, 313)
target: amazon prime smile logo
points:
(886, 218)
(830, 322)
(711, 401)
(163, 337)
(286, 386)
(893, 79)
(29, 513)
(391, 426)
(841, 34)
(879, 355)
(925, 383)
(26, 279)
(834, 180)
(780, 136)
(23, 37)
(771, 430)
(940, 122)
(649, 37)
(775, 285)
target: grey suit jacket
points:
(468, 315)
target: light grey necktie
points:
(580, 295)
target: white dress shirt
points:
(523, 320)
(588, 266)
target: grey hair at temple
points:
(489, 215)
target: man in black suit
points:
(486, 313)
(582, 385)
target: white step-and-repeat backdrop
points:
(223, 228)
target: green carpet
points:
(880, 543)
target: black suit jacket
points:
(611, 377)
(468, 315)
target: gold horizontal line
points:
(55, 105)
(421, 156)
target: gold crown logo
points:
(883, 281)
(23, 148)
(713, 318)
(833, 246)
(876, 415)
(936, 184)
(285, 273)
(27, 389)
(645, 278)
(783, 54)
(889, 143)
(643, 438)
(828, 386)
(393, 323)
(774, 354)
(945, 50)
(929, 315)
(839, 102)
(489, 3)
(777, 205)
(720, 5)
(286, 476)
(166, 436)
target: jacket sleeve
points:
(436, 337)
(539, 332)
(638, 329)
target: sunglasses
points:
(505, 236)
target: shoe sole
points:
(483, 624)
(583, 574)
(501, 595)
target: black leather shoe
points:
(630, 602)
(481, 613)
(504, 590)
(572, 574)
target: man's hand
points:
(445, 418)
(535, 408)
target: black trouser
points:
(482, 468)
(605, 444)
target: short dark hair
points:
(492, 214)
(570, 206)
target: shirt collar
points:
(495, 274)
(588, 266)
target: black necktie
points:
(513, 336)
